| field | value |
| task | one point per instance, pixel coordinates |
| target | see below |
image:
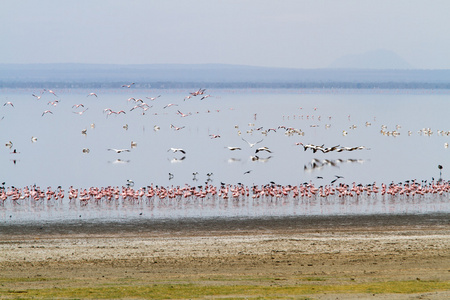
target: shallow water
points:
(56, 158)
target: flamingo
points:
(153, 98)
(252, 144)
(199, 92)
(77, 105)
(128, 85)
(169, 105)
(8, 103)
(92, 94)
(119, 150)
(51, 92)
(263, 149)
(46, 112)
(54, 103)
(214, 136)
(233, 148)
(182, 114)
(177, 150)
(175, 127)
(80, 112)
(37, 97)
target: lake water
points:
(344, 118)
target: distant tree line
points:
(232, 85)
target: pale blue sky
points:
(297, 33)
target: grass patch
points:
(312, 279)
(25, 279)
(177, 291)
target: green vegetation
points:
(197, 290)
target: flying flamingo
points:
(175, 127)
(37, 97)
(177, 150)
(252, 144)
(233, 148)
(128, 85)
(80, 112)
(119, 150)
(46, 112)
(77, 105)
(51, 92)
(153, 98)
(263, 149)
(8, 103)
(92, 94)
(54, 103)
(181, 114)
(169, 105)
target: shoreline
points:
(226, 225)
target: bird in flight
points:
(252, 144)
(175, 127)
(37, 97)
(177, 150)
(47, 112)
(169, 105)
(8, 103)
(92, 94)
(153, 98)
(263, 149)
(51, 92)
(233, 148)
(128, 85)
(119, 150)
(80, 112)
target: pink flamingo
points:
(46, 112)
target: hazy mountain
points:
(377, 59)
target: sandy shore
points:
(269, 254)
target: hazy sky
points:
(297, 33)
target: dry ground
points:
(323, 259)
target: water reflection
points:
(107, 143)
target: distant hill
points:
(377, 59)
(217, 74)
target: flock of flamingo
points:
(235, 192)
(238, 192)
